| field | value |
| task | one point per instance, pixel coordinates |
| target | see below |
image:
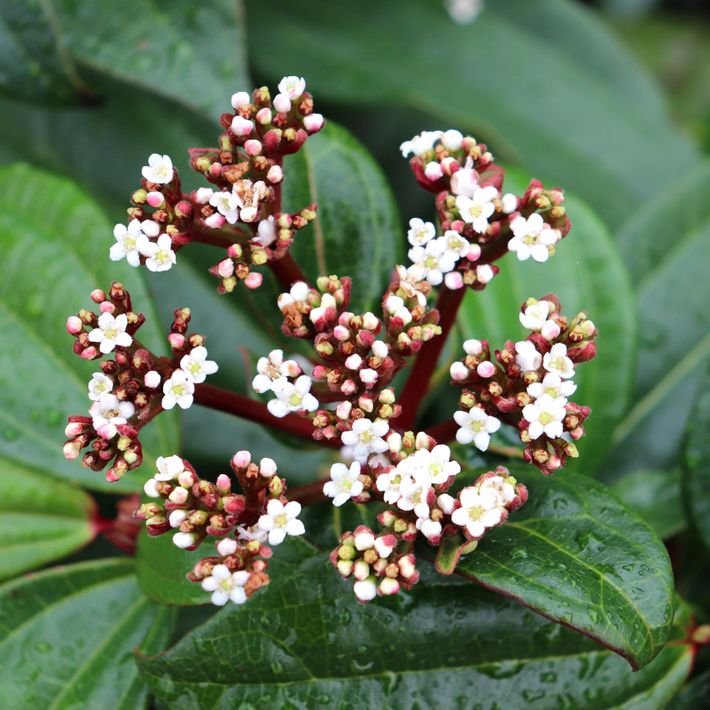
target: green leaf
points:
(546, 85)
(656, 497)
(575, 554)
(580, 272)
(40, 520)
(695, 694)
(697, 463)
(305, 641)
(62, 50)
(67, 636)
(54, 242)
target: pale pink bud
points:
(385, 544)
(89, 353)
(263, 116)
(178, 495)
(368, 376)
(73, 429)
(97, 295)
(474, 252)
(361, 570)
(341, 333)
(365, 590)
(366, 404)
(240, 100)
(458, 371)
(473, 346)
(313, 123)
(446, 503)
(267, 467)
(241, 126)
(225, 268)
(74, 325)
(275, 174)
(364, 539)
(226, 546)
(484, 273)
(253, 147)
(253, 280)
(282, 103)
(342, 411)
(348, 387)
(151, 379)
(154, 198)
(453, 280)
(215, 221)
(241, 459)
(407, 566)
(389, 586)
(486, 369)
(224, 483)
(107, 307)
(71, 450)
(433, 171)
(176, 517)
(353, 362)
(550, 330)
(186, 478)
(449, 165)
(176, 340)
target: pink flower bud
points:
(241, 459)
(225, 268)
(407, 566)
(107, 307)
(241, 126)
(342, 411)
(215, 221)
(458, 371)
(253, 147)
(263, 116)
(364, 538)
(348, 387)
(275, 174)
(178, 495)
(282, 103)
(73, 429)
(486, 369)
(313, 123)
(385, 544)
(152, 379)
(97, 295)
(176, 518)
(389, 586)
(353, 362)
(361, 570)
(227, 546)
(368, 376)
(449, 165)
(474, 252)
(550, 330)
(253, 280)
(74, 325)
(453, 280)
(216, 169)
(89, 353)
(71, 450)
(224, 483)
(240, 100)
(155, 198)
(339, 333)
(267, 467)
(433, 171)
(176, 340)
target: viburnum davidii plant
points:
(343, 396)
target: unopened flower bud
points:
(226, 546)
(241, 459)
(267, 467)
(151, 379)
(313, 122)
(183, 540)
(458, 371)
(240, 100)
(282, 103)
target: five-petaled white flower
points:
(108, 413)
(366, 437)
(545, 416)
(128, 240)
(281, 520)
(111, 332)
(273, 372)
(481, 508)
(557, 361)
(420, 144)
(433, 260)
(420, 232)
(169, 467)
(535, 317)
(227, 204)
(552, 385)
(159, 254)
(527, 357)
(99, 385)
(196, 365)
(499, 484)
(178, 389)
(476, 426)
(293, 397)
(292, 86)
(532, 238)
(389, 483)
(226, 585)
(456, 244)
(344, 483)
(434, 466)
(476, 210)
(159, 169)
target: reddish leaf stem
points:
(287, 271)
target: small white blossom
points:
(509, 203)
(281, 520)
(99, 385)
(434, 466)
(556, 361)
(527, 358)
(196, 365)
(480, 509)
(254, 532)
(178, 389)
(545, 415)
(477, 209)
(184, 540)
(108, 413)
(159, 169)
(532, 238)
(169, 468)
(505, 490)
(434, 260)
(299, 292)
(127, 240)
(111, 332)
(203, 195)
(535, 318)
(390, 482)
(273, 372)
(456, 244)
(413, 496)
(344, 483)
(293, 397)
(420, 232)
(420, 143)
(159, 255)
(292, 86)
(553, 386)
(266, 232)
(465, 180)
(476, 426)
(226, 585)
(366, 437)
(227, 204)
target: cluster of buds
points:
(133, 387)
(529, 385)
(477, 222)
(241, 211)
(192, 508)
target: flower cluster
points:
(192, 508)
(529, 385)
(133, 387)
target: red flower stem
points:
(308, 494)
(287, 271)
(218, 237)
(444, 431)
(417, 384)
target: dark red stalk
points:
(308, 494)
(287, 271)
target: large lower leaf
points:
(54, 243)
(305, 641)
(60, 50)
(575, 554)
(518, 74)
(40, 520)
(67, 637)
(580, 273)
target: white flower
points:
(366, 437)
(389, 483)
(178, 389)
(532, 238)
(196, 365)
(505, 490)
(299, 292)
(476, 210)
(433, 260)
(509, 202)
(227, 204)
(242, 126)
(160, 254)
(203, 195)
(99, 385)
(557, 361)
(431, 529)
(266, 232)
(159, 168)
(535, 318)
(292, 86)
(150, 487)
(273, 372)
(465, 180)
(226, 585)
(456, 244)
(169, 468)
(476, 426)
(365, 589)
(480, 509)
(253, 532)
(553, 386)
(420, 143)
(413, 496)
(281, 520)
(293, 397)
(127, 240)
(484, 273)
(545, 415)
(111, 332)
(420, 232)
(452, 139)
(433, 466)
(184, 540)
(527, 357)
(108, 413)
(344, 483)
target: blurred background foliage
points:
(609, 99)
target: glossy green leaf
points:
(40, 520)
(61, 50)
(580, 274)
(305, 641)
(67, 637)
(695, 694)
(576, 554)
(697, 463)
(54, 242)
(543, 83)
